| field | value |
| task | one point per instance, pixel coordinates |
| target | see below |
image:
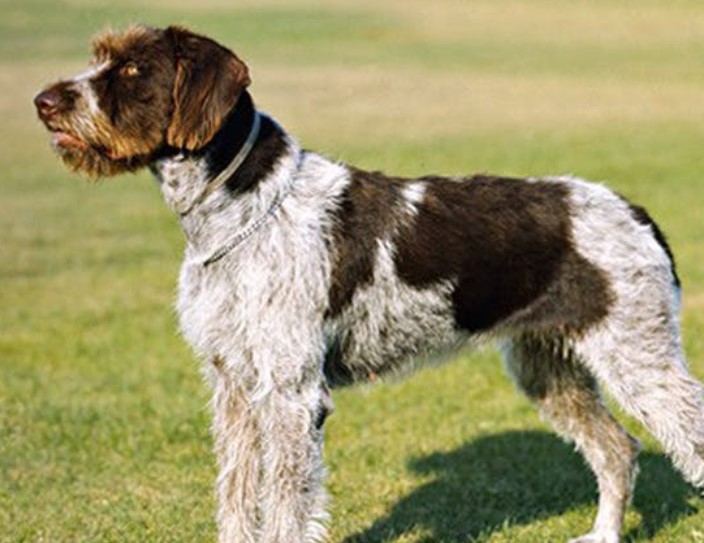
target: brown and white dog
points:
(302, 273)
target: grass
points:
(103, 417)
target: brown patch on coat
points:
(364, 216)
(506, 244)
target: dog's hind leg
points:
(637, 355)
(635, 348)
(549, 372)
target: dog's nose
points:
(47, 103)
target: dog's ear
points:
(209, 80)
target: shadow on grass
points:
(517, 478)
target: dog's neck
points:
(184, 177)
(229, 171)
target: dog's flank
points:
(301, 273)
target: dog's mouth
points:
(61, 140)
(93, 159)
(67, 142)
(80, 152)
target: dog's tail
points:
(643, 217)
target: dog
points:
(301, 274)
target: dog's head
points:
(146, 90)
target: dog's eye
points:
(130, 69)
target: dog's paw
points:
(596, 537)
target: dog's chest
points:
(260, 306)
(206, 303)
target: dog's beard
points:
(96, 163)
(94, 160)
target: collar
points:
(228, 172)
(241, 236)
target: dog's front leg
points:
(237, 446)
(293, 499)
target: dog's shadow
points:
(518, 478)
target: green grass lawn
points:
(104, 425)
